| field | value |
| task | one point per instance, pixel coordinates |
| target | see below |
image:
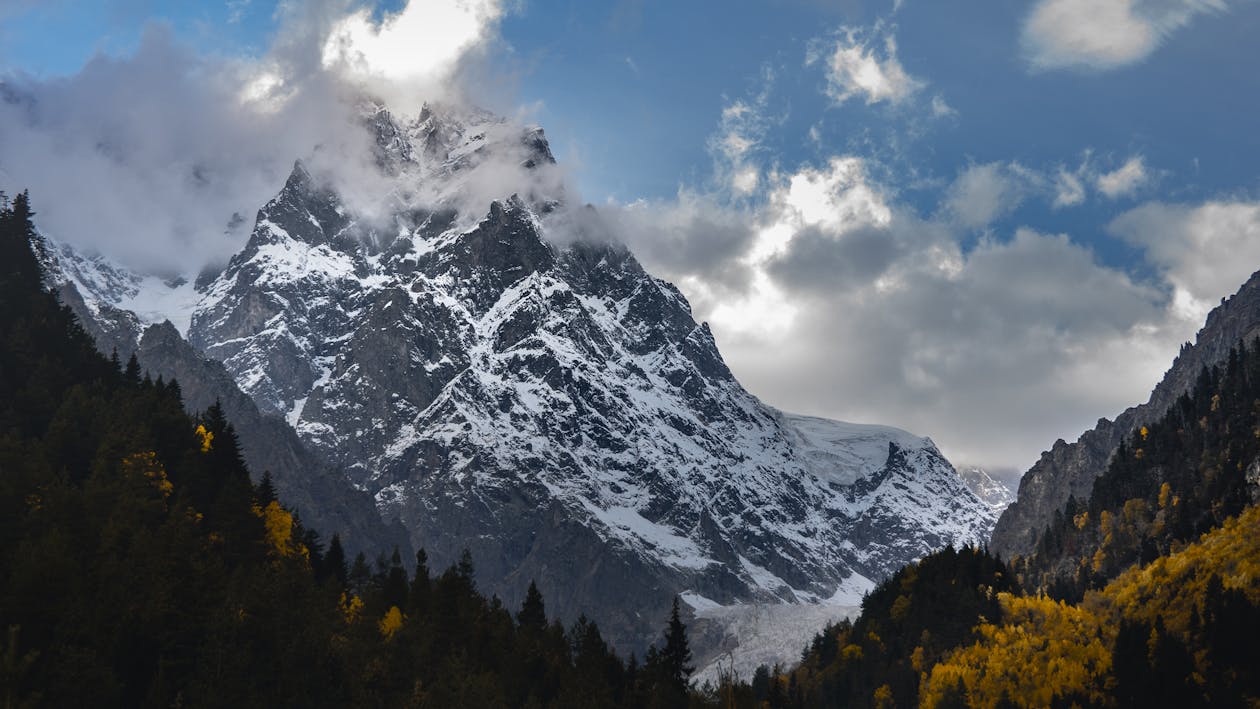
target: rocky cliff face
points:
(512, 382)
(1069, 469)
(992, 491)
(320, 493)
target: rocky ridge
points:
(513, 382)
(1069, 469)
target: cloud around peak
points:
(148, 157)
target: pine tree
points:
(395, 587)
(132, 372)
(1129, 664)
(17, 261)
(174, 391)
(421, 584)
(265, 491)
(465, 569)
(676, 655)
(360, 573)
(533, 613)
(335, 562)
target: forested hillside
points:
(140, 567)
(1172, 481)
(1146, 594)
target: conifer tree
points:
(421, 583)
(676, 656)
(17, 260)
(360, 573)
(132, 372)
(335, 561)
(395, 587)
(464, 569)
(533, 613)
(265, 491)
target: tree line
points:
(141, 565)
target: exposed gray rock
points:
(322, 496)
(548, 404)
(1069, 469)
(989, 489)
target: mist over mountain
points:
(515, 384)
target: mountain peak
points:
(547, 403)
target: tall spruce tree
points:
(533, 613)
(676, 655)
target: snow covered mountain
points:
(511, 381)
(990, 490)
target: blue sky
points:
(1107, 147)
(608, 79)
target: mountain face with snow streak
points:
(544, 402)
(128, 314)
(992, 491)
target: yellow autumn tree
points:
(1067, 645)
(279, 525)
(1070, 646)
(207, 437)
(391, 623)
(883, 698)
(1171, 586)
(351, 607)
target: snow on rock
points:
(550, 406)
(990, 490)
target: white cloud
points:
(1103, 34)
(838, 197)
(994, 352)
(1069, 190)
(147, 157)
(864, 65)
(982, 193)
(734, 146)
(1125, 180)
(1204, 251)
(837, 300)
(415, 49)
(941, 109)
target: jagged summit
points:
(546, 402)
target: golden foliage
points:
(1070, 646)
(279, 525)
(1143, 432)
(207, 437)
(351, 607)
(391, 623)
(1171, 585)
(883, 698)
(916, 659)
(1067, 645)
(146, 464)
